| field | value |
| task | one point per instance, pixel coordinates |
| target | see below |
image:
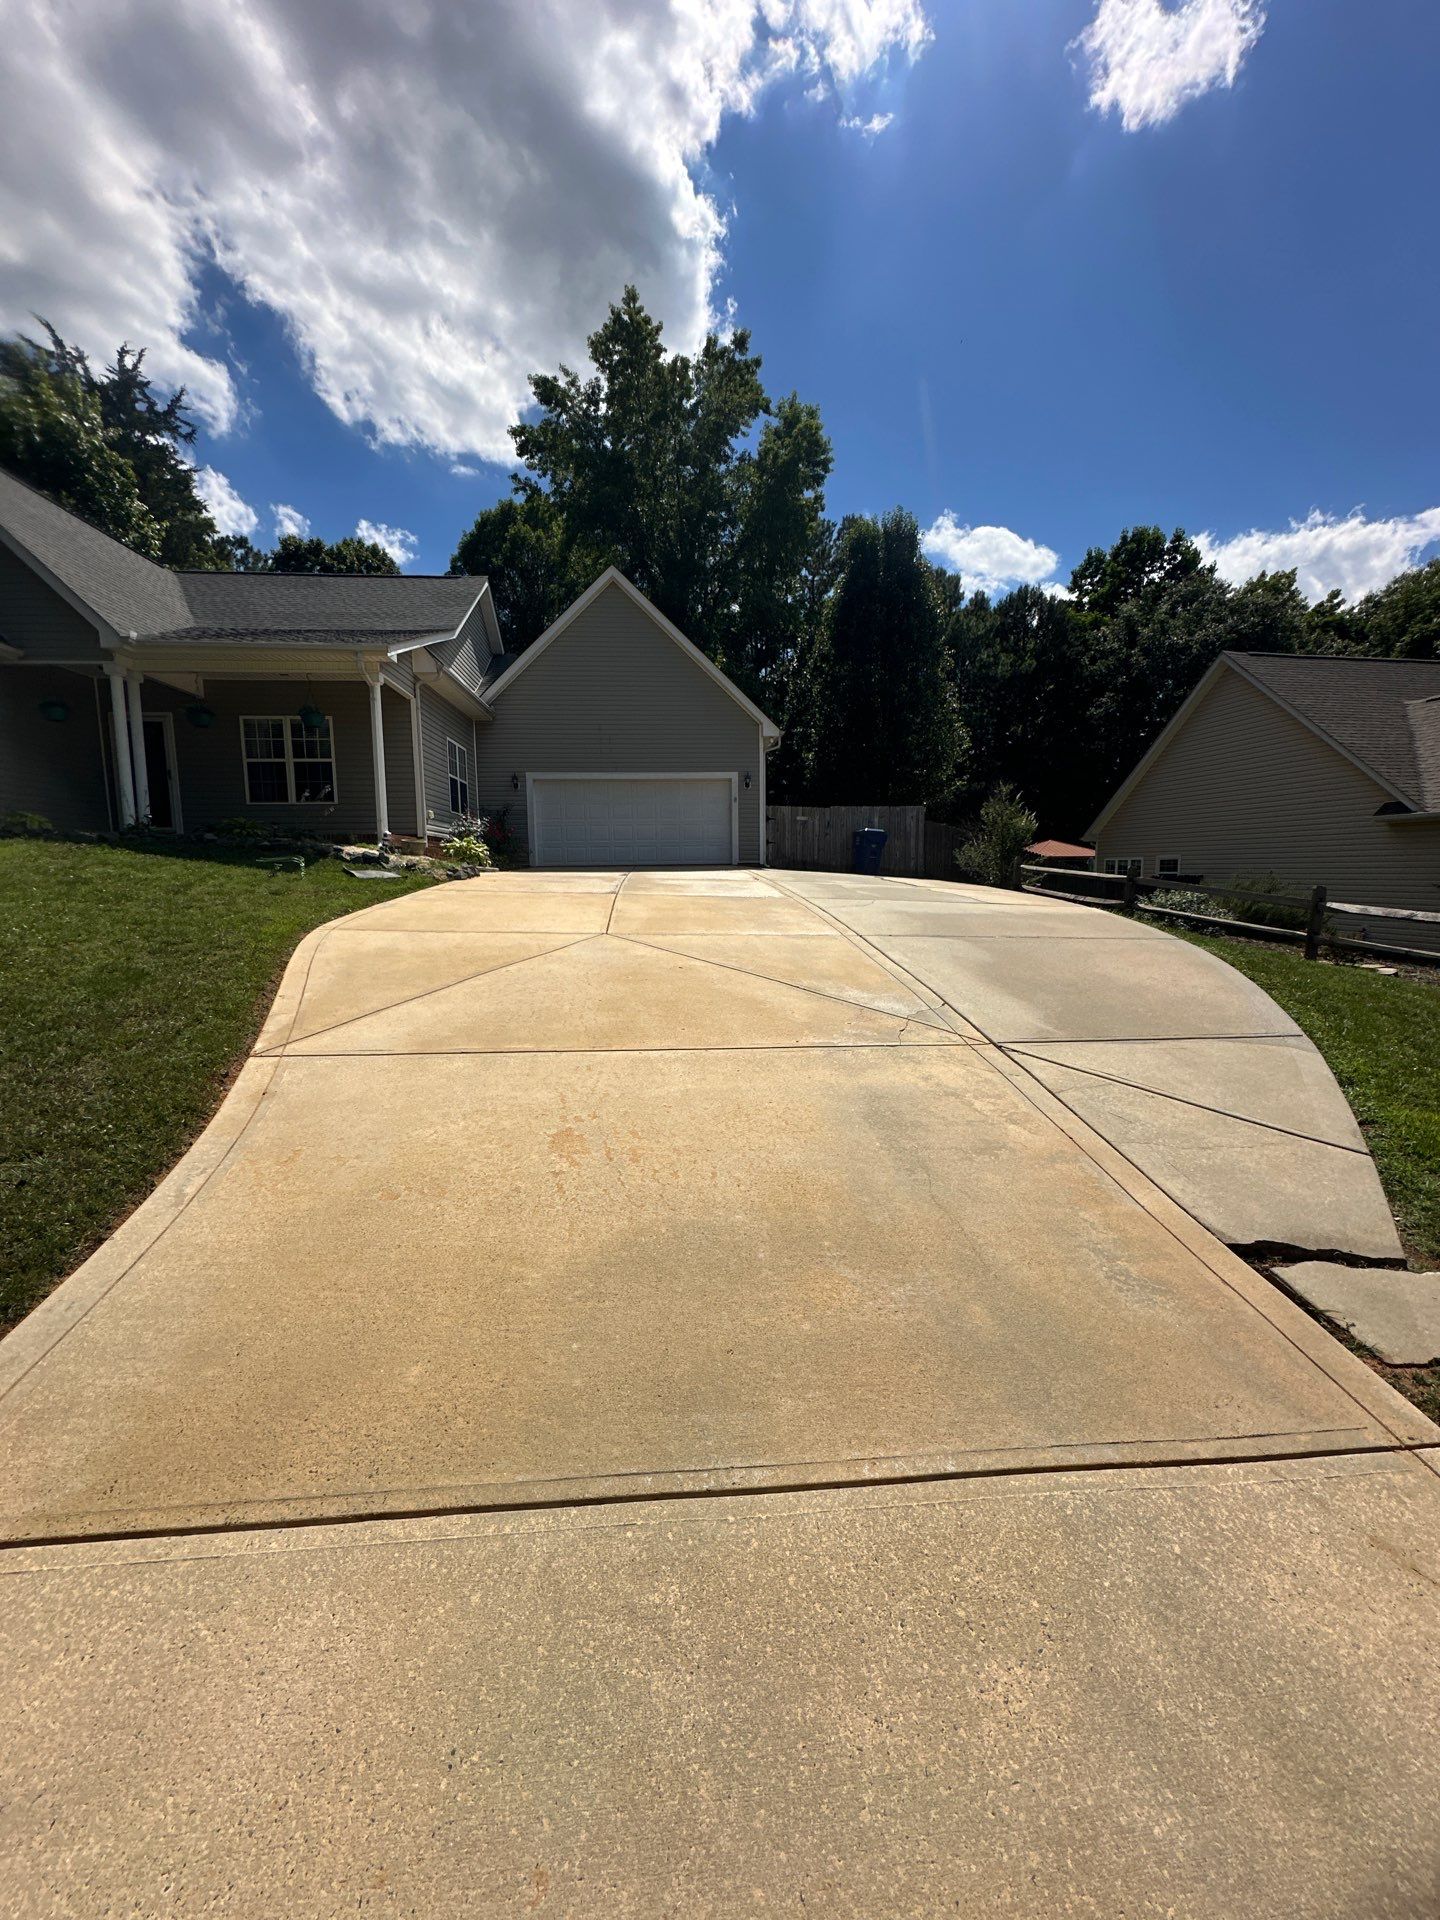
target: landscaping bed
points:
(133, 979)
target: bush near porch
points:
(133, 980)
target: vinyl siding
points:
(468, 655)
(1245, 788)
(41, 622)
(439, 722)
(53, 768)
(212, 778)
(613, 694)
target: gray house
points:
(356, 706)
(1324, 771)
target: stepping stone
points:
(1394, 1313)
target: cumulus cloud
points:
(288, 520)
(1146, 60)
(462, 470)
(435, 198)
(230, 513)
(1353, 554)
(991, 559)
(398, 542)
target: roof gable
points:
(612, 577)
(97, 575)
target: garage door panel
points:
(617, 821)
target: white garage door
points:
(608, 820)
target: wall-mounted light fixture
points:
(514, 783)
(747, 779)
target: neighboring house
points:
(1062, 853)
(352, 706)
(1324, 771)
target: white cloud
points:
(398, 542)
(230, 513)
(462, 470)
(991, 559)
(877, 123)
(436, 199)
(1146, 60)
(288, 520)
(1354, 554)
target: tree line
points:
(892, 682)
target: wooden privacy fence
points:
(820, 837)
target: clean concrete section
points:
(1206, 1692)
(1182, 1063)
(1394, 1313)
(807, 1417)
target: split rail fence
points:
(1132, 894)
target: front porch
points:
(336, 756)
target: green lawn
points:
(131, 984)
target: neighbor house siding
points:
(212, 778)
(439, 722)
(53, 768)
(1243, 787)
(613, 694)
(40, 621)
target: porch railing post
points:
(137, 749)
(377, 747)
(124, 783)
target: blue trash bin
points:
(866, 846)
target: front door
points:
(160, 772)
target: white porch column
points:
(140, 772)
(124, 784)
(377, 748)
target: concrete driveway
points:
(666, 1393)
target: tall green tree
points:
(677, 469)
(879, 720)
(107, 445)
(52, 433)
(293, 554)
(1401, 621)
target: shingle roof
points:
(134, 595)
(130, 593)
(1383, 713)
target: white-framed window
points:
(459, 764)
(286, 762)
(1123, 863)
(1167, 866)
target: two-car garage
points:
(634, 820)
(613, 741)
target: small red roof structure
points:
(1059, 850)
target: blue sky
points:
(1182, 273)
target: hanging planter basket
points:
(55, 709)
(311, 718)
(200, 715)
